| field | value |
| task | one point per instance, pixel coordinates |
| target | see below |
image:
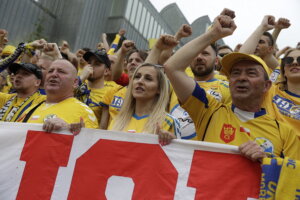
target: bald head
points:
(61, 80)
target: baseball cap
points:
(101, 55)
(8, 50)
(32, 68)
(230, 59)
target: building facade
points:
(81, 22)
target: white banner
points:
(99, 164)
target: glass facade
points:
(142, 20)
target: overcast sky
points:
(249, 13)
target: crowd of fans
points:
(248, 97)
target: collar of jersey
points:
(292, 94)
(140, 117)
(245, 115)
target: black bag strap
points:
(28, 115)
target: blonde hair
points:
(283, 80)
(159, 106)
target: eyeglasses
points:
(290, 60)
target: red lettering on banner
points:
(43, 153)
(224, 176)
(147, 165)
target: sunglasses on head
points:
(152, 65)
(290, 60)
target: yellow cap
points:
(230, 59)
(8, 50)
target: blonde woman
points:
(144, 107)
(283, 99)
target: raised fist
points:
(184, 31)
(122, 32)
(65, 47)
(268, 22)
(228, 12)
(38, 44)
(282, 23)
(3, 37)
(127, 45)
(166, 42)
(222, 26)
(51, 49)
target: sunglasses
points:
(290, 60)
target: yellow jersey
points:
(284, 106)
(137, 123)
(114, 100)
(216, 88)
(93, 97)
(12, 108)
(220, 123)
(70, 110)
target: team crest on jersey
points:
(287, 107)
(227, 133)
(50, 116)
(266, 144)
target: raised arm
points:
(251, 43)
(117, 69)
(183, 85)
(282, 23)
(164, 43)
(184, 31)
(104, 41)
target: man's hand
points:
(55, 124)
(166, 42)
(51, 49)
(86, 72)
(252, 151)
(268, 22)
(282, 23)
(65, 47)
(127, 45)
(38, 44)
(164, 137)
(228, 12)
(184, 31)
(122, 32)
(3, 37)
(222, 26)
(75, 128)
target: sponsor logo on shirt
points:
(215, 94)
(227, 133)
(287, 107)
